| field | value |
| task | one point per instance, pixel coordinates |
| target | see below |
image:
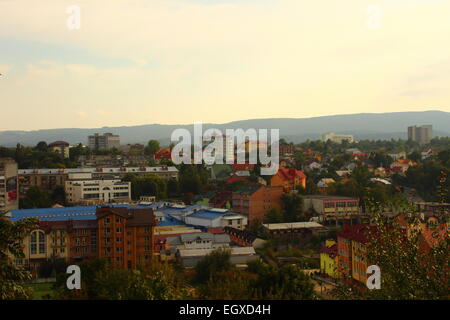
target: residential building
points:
(422, 134)
(9, 185)
(60, 147)
(255, 201)
(244, 238)
(163, 154)
(324, 183)
(82, 189)
(125, 235)
(288, 178)
(402, 165)
(104, 141)
(49, 179)
(337, 138)
(352, 250)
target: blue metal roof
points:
(58, 214)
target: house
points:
(329, 259)
(397, 154)
(201, 240)
(163, 154)
(244, 238)
(402, 165)
(289, 179)
(254, 201)
(324, 183)
(60, 147)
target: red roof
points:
(359, 233)
(242, 166)
(290, 173)
(331, 251)
(163, 154)
(231, 180)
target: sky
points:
(136, 62)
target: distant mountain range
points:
(363, 126)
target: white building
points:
(337, 138)
(81, 188)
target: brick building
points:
(255, 201)
(125, 235)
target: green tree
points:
(11, 276)
(292, 206)
(35, 197)
(152, 147)
(274, 216)
(214, 262)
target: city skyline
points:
(181, 61)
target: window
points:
(106, 221)
(118, 230)
(118, 239)
(118, 220)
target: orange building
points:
(351, 244)
(125, 236)
(289, 179)
(256, 200)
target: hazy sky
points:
(178, 61)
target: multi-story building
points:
(255, 201)
(337, 138)
(289, 179)
(60, 147)
(125, 235)
(104, 141)
(9, 190)
(333, 207)
(352, 250)
(49, 179)
(82, 189)
(422, 134)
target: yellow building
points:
(329, 259)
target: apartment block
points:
(125, 235)
(422, 134)
(104, 141)
(337, 138)
(255, 201)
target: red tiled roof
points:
(290, 173)
(242, 166)
(231, 180)
(163, 153)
